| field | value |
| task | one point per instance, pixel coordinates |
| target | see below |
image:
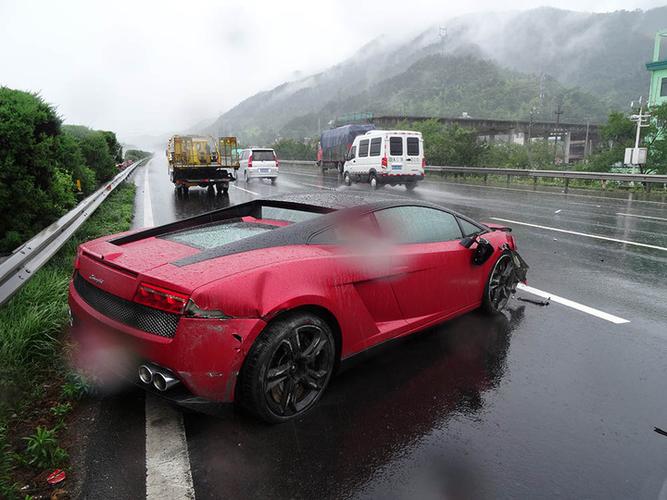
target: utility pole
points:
(588, 126)
(442, 34)
(642, 120)
(559, 111)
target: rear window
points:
(469, 228)
(396, 146)
(213, 236)
(363, 148)
(262, 155)
(413, 146)
(375, 146)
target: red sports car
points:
(258, 303)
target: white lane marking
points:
(148, 208)
(577, 233)
(168, 474)
(246, 190)
(574, 305)
(318, 187)
(642, 216)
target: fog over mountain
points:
(492, 65)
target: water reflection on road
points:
(376, 410)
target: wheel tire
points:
(340, 167)
(373, 180)
(273, 180)
(410, 186)
(347, 180)
(278, 363)
(492, 302)
(246, 179)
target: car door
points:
(364, 273)
(434, 277)
(396, 158)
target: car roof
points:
(393, 132)
(331, 205)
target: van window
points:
(413, 146)
(353, 152)
(375, 146)
(363, 148)
(396, 146)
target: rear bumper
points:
(206, 355)
(262, 172)
(388, 177)
(202, 175)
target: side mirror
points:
(483, 251)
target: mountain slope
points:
(497, 65)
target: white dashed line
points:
(148, 208)
(168, 475)
(642, 216)
(574, 305)
(577, 233)
(245, 190)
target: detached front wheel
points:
(288, 368)
(501, 285)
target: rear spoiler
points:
(249, 209)
(497, 227)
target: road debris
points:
(535, 301)
(57, 476)
(660, 431)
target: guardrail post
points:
(567, 183)
(603, 183)
(486, 178)
(508, 179)
(534, 183)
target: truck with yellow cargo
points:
(202, 161)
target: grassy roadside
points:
(37, 391)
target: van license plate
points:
(264, 170)
(396, 167)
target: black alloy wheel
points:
(288, 368)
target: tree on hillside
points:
(36, 167)
(94, 145)
(290, 149)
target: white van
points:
(258, 163)
(386, 157)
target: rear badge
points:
(94, 278)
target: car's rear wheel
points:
(347, 179)
(288, 368)
(410, 185)
(501, 284)
(273, 180)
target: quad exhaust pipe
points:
(161, 378)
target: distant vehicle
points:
(386, 157)
(202, 161)
(259, 302)
(335, 144)
(259, 163)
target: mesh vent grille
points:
(127, 312)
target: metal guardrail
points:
(532, 173)
(26, 260)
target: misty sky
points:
(155, 67)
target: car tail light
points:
(250, 161)
(77, 258)
(423, 162)
(277, 161)
(384, 161)
(160, 298)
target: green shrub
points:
(42, 449)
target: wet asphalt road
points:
(546, 402)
